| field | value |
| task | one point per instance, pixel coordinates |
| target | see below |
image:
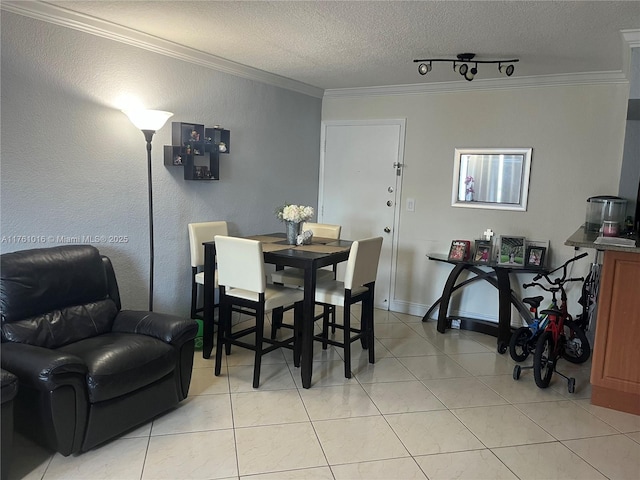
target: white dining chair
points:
(199, 233)
(295, 276)
(242, 282)
(358, 286)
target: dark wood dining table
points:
(309, 258)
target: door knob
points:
(387, 229)
(389, 203)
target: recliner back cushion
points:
(54, 296)
(61, 327)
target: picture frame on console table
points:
(537, 253)
(535, 256)
(483, 251)
(460, 251)
(511, 250)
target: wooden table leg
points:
(308, 309)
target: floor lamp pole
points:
(149, 121)
(148, 135)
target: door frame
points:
(401, 122)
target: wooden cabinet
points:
(615, 370)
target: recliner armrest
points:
(168, 328)
(42, 368)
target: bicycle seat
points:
(533, 301)
(552, 311)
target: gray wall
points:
(73, 164)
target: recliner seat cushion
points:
(119, 363)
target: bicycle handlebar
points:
(558, 281)
(552, 287)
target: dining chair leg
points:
(325, 329)
(368, 304)
(257, 363)
(194, 298)
(364, 326)
(332, 310)
(223, 321)
(347, 340)
(276, 321)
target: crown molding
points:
(630, 40)
(631, 37)
(596, 78)
(94, 26)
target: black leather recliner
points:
(8, 390)
(87, 370)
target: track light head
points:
(506, 69)
(464, 68)
(470, 74)
(423, 68)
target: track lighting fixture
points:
(462, 62)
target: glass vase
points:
(293, 230)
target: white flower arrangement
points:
(294, 213)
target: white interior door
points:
(360, 182)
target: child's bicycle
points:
(561, 337)
(523, 340)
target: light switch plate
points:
(411, 205)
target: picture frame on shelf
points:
(511, 250)
(482, 252)
(459, 251)
(535, 256)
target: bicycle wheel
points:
(576, 345)
(518, 345)
(517, 370)
(543, 360)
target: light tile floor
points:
(433, 406)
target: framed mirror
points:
(495, 178)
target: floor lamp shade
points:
(149, 121)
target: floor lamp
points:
(149, 121)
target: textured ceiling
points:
(330, 44)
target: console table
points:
(496, 275)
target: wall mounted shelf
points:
(197, 149)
